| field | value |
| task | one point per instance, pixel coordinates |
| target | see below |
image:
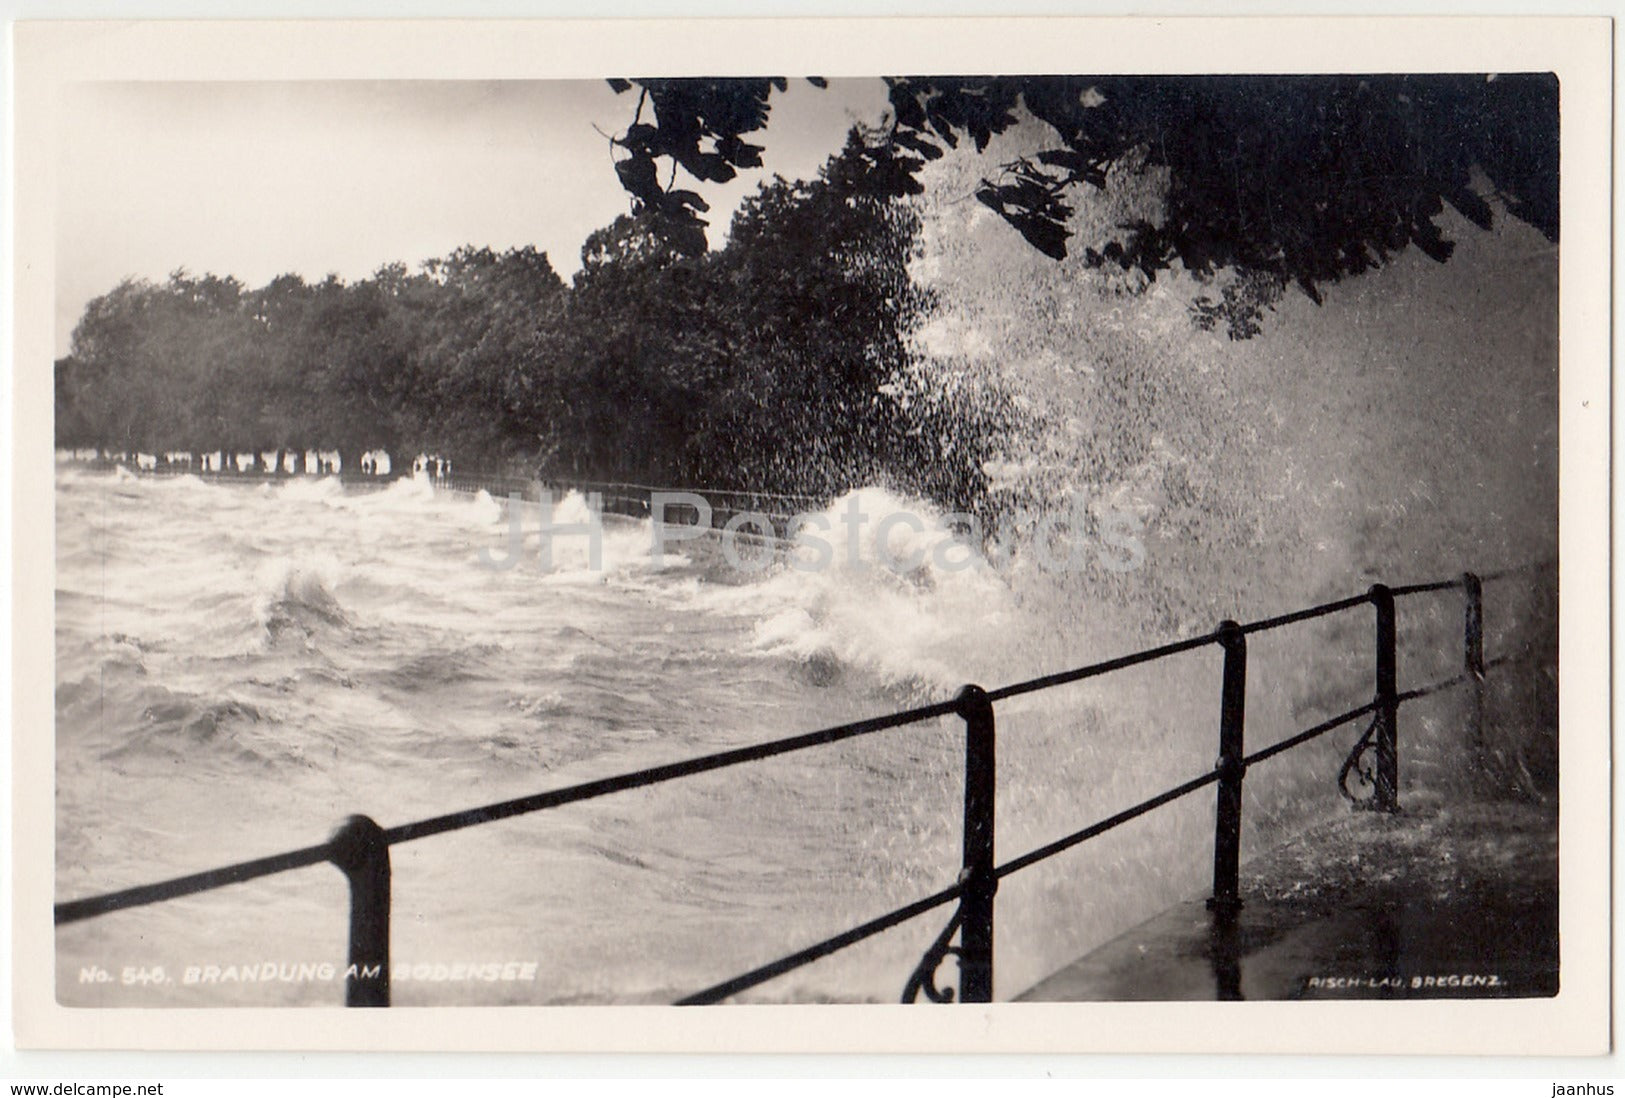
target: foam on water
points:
(299, 596)
(311, 489)
(579, 545)
(484, 508)
(881, 583)
(241, 667)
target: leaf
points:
(1435, 247)
(1043, 232)
(739, 153)
(690, 199)
(989, 196)
(1070, 159)
(640, 136)
(637, 174)
(910, 115)
(1472, 206)
(706, 167)
(930, 150)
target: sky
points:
(256, 179)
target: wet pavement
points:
(1441, 901)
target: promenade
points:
(1447, 899)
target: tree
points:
(73, 427)
(1270, 181)
(637, 387)
(363, 345)
(817, 274)
(780, 363)
(491, 333)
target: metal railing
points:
(771, 515)
(360, 847)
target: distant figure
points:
(366, 464)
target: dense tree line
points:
(780, 362)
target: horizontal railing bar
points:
(1518, 570)
(718, 992)
(1434, 688)
(578, 484)
(740, 535)
(654, 775)
(1191, 786)
(74, 910)
(612, 490)
(1049, 850)
(1060, 678)
(1305, 615)
(1422, 588)
(1309, 733)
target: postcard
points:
(813, 535)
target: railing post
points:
(1226, 898)
(1387, 701)
(1473, 666)
(358, 848)
(976, 928)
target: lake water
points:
(242, 665)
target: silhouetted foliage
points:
(1280, 180)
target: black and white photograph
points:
(1073, 536)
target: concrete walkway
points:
(1443, 900)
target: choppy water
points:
(240, 666)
